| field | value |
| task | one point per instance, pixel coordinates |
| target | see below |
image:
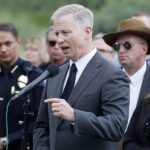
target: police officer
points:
(15, 73)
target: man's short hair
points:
(50, 30)
(98, 36)
(82, 15)
(8, 27)
(141, 14)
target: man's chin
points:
(124, 64)
(5, 61)
(66, 55)
(123, 61)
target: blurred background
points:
(32, 17)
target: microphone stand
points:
(51, 71)
(26, 142)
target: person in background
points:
(35, 51)
(131, 42)
(56, 55)
(16, 73)
(145, 17)
(86, 105)
(105, 50)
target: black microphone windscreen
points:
(27, 66)
(53, 69)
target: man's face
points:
(134, 56)
(9, 47)
(70, 37)
(54, 50)
(105, 50)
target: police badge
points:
(22, 81)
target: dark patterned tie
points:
(70, 82)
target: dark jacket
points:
(137, 135)
(12, 81)
(100, 99)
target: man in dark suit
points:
(84, 107)
(132, 43)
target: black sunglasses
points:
(52, 43)
(126, 44)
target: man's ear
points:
(145, 48)
(19, 40)
(88, 32)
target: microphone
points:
(50, 71)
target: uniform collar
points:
(13, 68)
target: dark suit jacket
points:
(100, 100)
(134, 138)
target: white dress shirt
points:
(80, 64)
(135, 87)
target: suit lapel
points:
(87, 76)
(145, 88)
(57, 83)
(57, 89)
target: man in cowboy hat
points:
(145, 17)
(132, 43)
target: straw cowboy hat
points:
(129, 26)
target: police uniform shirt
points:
(12, 80)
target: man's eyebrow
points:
(6, 42)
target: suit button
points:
(20, 122)
(147, 123)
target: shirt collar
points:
(13, 68)
(81, 63)
(138, 76)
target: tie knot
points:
(73, 68)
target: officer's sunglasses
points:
(127, 45)
(52, 43)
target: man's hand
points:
(61, 108)
(1, 146)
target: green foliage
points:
(48, 4)
(32, 17)
(107, 18)
(30, 23)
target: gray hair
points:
(98, 36)
(50, 30)
(82, 15)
